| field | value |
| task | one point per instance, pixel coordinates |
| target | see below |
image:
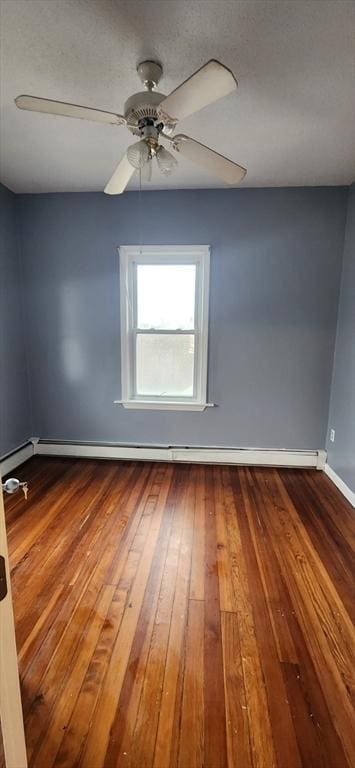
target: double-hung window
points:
(164, 326)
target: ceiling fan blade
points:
(219, 165)
(205, 86)
(34, 104)
(120, 178)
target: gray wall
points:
(276, 265)
(15, 421)
(341, 453)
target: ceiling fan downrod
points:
(150, 73)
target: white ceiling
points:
(291, 121)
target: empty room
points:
(177, 383)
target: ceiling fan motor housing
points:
(140, 110)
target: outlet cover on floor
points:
(332, 435)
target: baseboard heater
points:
(14, 458)
(193, 454)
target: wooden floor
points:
(177, 616)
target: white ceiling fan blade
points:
(34, 104)
(219, 165)
(205, 86)
(120, 178)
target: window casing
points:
(163, 339)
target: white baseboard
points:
(343, 488)
(205, 455)
(9, 462)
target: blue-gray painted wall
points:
(341, 453)
(275, 277)
(15, 417)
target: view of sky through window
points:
(166, 296)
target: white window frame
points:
(130, 257)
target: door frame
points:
(12, 728)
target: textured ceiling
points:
(291, 122)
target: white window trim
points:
(130, 255)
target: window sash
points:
(179, 398)
(170, 262)
(131, 257)
(176, 262)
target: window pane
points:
(165, 365)
(166, 296)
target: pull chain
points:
(140, 210)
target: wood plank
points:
(191, 745)
(238, 737)
(215, 746)
(167, 739)
(197, 582)
(28, 648)
(284, 737)
(226, 592)
(260, 728)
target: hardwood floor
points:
(180, 616)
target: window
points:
(164, 326)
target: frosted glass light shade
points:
(138, 154)
(166, 161)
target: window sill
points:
(159, 405)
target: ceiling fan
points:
(151, 116)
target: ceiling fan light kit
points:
(151, 116)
